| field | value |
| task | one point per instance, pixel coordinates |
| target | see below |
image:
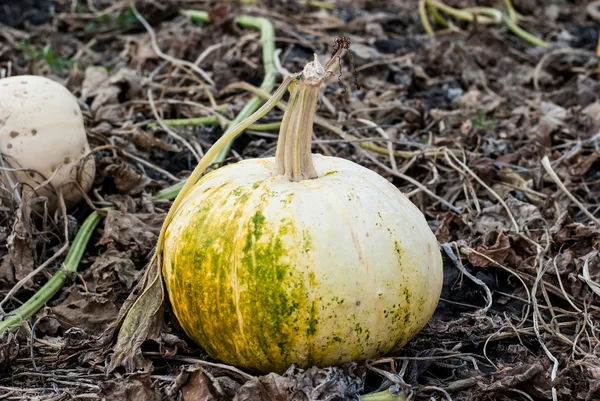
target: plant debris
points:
(460, 121)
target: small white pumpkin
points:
(300, 259)
(42, 134)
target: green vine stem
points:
(385, 395)
(214, 120)
(56, 282)
(484, 15)
(267, 38)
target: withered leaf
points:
(199, 385)
(127, 179)
(111, 267)
(130, 231)
(9, 348)
(495, 246)
(107, 92)
(583, 164)
(496, 217)
(21, 246)
(332, 383)
(88, 311)
(140, 319)
(133, 388)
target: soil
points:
(471, 113)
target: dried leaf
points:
(9, 349)
(196, 384)
(112, 267)
(140, 319)
(106, 93)
(87, 311)
(495, 246)
(133, 388)
(496, 218)
(130, 231)
(93, 81)
(127, 179)
(21, 246)
(583, 164)
(332, 383)
(511, 377)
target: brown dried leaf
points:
(129, 231)
(87, 311)
(20, 260)
(127, 179)
(583, 164)
(106, 93)
(133, 388)
(140, 319)
(9, 349)
(495, 246)
(496, 218)
(333, 383)
(112, 267)
(197, 384)
(93, 81)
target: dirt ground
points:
(460, 122)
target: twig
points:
(538, 279)
(169, 131)
(152, 166)
(200, 362)
(544, 59)
(483, 184)
(448, 249)
(164, 56)
(385, 135)
(548, 167)
(585, 276)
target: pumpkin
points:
(43, 139)
(300, 258)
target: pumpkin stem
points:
(293, 156)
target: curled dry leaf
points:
(129, 231)
(140, 319)
(9, 349)
(495, 246)
(111, 269)
(21, 244)
(137, 387)
(107, 92)
(127, 180)
(88, 311)
(496, 218)
(195, 383)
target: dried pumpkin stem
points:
(293, 157)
